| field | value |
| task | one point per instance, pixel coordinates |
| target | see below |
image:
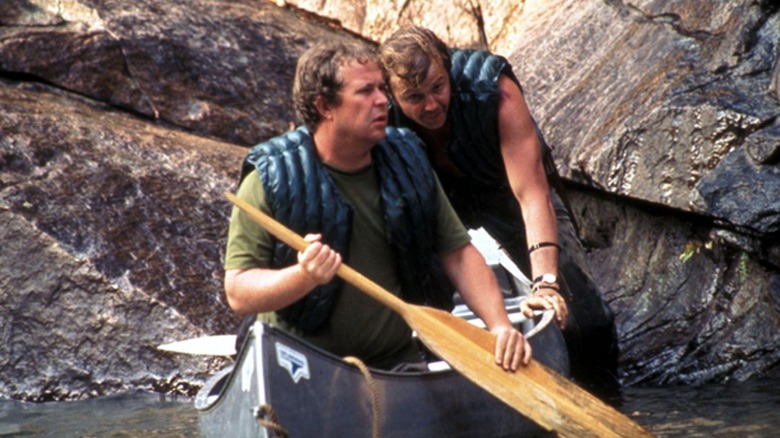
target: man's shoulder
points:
(402, 135)
(472, 69)
(403, 140)
(475, 56)
(269, 150)
(289, 139)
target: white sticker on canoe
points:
(293, 361)
(248, 369)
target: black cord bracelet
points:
(542, 286)
(540, 245)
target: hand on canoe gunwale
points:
(548, 301)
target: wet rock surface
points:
(671, 106)
(122, 124)
(111, 241)
(690, 305)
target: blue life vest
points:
(304, 197)
(474, 143)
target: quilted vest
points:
(303, 196)
(474, 143)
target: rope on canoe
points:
(266, 417)
(371, 387)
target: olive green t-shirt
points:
(359, 325)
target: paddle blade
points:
(540, 394)
(221, 345)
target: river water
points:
(744, 410)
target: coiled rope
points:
(266, 417)
(372, 389)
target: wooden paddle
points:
(537, 392)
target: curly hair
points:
(317, 74)
(409, 53)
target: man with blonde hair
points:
(469, 109)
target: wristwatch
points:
(546, 278)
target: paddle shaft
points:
(534, 390)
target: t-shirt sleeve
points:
(450, 232)
(248, 244)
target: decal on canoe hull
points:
(293, 361)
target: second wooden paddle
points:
(535, 391)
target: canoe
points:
(279, 382)
(313, 393)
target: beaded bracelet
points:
(540, 245)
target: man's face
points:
(362, 110)
(426, 104)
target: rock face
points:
(111, 232)
(682, 90)
(671, 103)
(122, 124)
(490, 24)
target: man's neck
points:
(341, 153)
(434, 138)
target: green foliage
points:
(743, 267)
(690, 249)
(694, 247)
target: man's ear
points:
(398, 82)
(322, 106)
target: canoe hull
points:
(314, 393)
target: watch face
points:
(548, 278)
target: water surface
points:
(744, 410)
(128, 415)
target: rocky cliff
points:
(122, 123)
